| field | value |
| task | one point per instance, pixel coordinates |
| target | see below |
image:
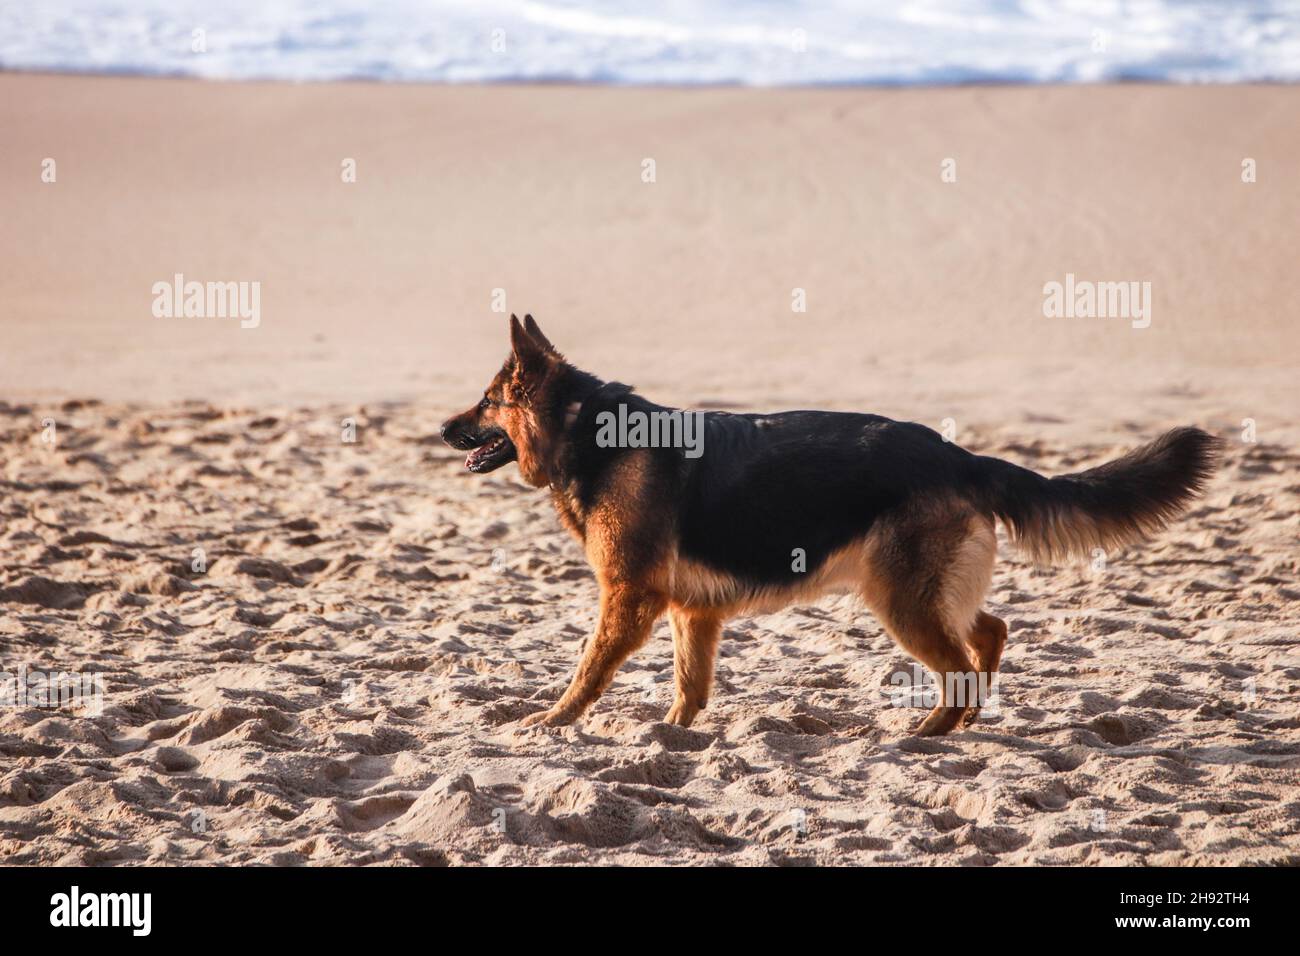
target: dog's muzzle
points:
(488, 449)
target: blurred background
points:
(755, 42)
(659, 187)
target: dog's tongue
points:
(484, 451)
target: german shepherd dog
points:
(887, 509)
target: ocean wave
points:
(752, 42)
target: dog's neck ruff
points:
(573, 410)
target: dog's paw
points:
(940, 721)
(681, 713)
(547, 718)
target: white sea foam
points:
(756, 42)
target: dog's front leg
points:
(627, 615)
(695, 644)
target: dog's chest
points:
(566, 506)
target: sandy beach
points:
(339, 682)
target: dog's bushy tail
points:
(1104, 507)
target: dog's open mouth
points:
(495, 451)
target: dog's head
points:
(515, 418)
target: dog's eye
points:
(485, 404)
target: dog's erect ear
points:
(535, 331)
(529, 355)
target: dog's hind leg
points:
(928, 571)
(940, 651)
(627, 615)
(695, 643)
(987, 639)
